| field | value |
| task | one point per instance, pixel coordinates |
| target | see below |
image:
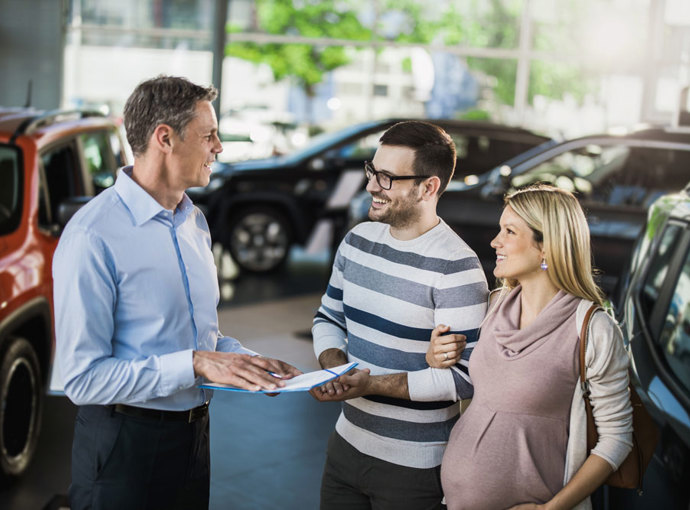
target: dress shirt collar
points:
(143, 206)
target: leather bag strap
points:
(592, 434)
(584, 335)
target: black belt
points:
(157, 414)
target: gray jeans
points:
(355, 481)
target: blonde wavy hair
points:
(558, 222)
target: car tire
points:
(21, 405)
(259, 239)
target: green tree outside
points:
(492, 24)
(306, 64)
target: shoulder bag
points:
(645, 432)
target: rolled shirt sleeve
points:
(229, 344)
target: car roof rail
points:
(51, 117)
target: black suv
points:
(655, 315)
(258, 209)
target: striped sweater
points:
(384, 298)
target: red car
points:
(51, 163)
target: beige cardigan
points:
(607, 372)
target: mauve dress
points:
(509, 446)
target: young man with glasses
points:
(394, 279)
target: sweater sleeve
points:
(329, 329)
(607, 372)
(460, 300)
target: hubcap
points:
(259, 242)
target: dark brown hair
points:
(433, 148)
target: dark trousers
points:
(355, 481)
(126, 462)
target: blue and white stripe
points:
(384, 298)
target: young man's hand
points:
(356, 383)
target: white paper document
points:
(303, 382)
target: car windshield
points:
(619, 173)
(578, 170)
(10, 189)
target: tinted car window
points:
(10, 190)
(615, 175)
(99, 160)
(362, 148)
(675, 336)
(658, 268)
(483, 152)
(62, 176)
(575, 170)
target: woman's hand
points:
(444, 350)
(526, 506)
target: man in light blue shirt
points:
(135, 292)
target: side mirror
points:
(68, 208)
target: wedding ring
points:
(445, 356)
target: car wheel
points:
(21, 405)
(259, 239)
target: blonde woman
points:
(522, 442)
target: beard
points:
(399, 213)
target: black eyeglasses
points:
(386, 180)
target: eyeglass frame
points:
(369, 167)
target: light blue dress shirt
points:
(135, 291)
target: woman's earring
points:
(544, 266)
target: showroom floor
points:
(265, 452)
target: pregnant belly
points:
(495, 460)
